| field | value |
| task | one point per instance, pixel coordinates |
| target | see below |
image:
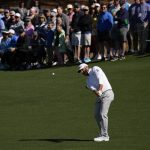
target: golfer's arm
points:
(98, 92)
(100, 87)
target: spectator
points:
(41, 27)
(76, 33)
(22, 51)
(129, 42)
(49, 42)
(34, 16)
(65, 20)
(5, 49)
(133, 18)
(38, 50)
(12, 20)
(70, 12)
(53, 17)
(114, 8)
(12, 49)
(19, 24)
(59, 44)
(22, 10)
(47, 14)
(37, 6)
(2, 26)
(92, 2)
(142, 25)
(1, 12)
(94, 14)
(126, 4)
(104, 26)
(97, 9)
(122, 26)
(6, 18)
(60, 22)
(66, 28)
(13, 37)
(85, 24)
(29, 29)
(148, 43)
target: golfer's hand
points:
(98, 93)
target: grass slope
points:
(39, 111)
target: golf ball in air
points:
(53, 73)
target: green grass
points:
(39, 111)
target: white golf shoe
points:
(101, 138)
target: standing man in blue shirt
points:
(133, 17)
(142, 25)
(104, 26)
(122, 30)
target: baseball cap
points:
(69, 6)
(97, 5)
(11, 31)
(54, 10)
(85, 8)
(76, 5)
(17, 15)
(53, 14)
(81, 66)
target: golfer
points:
(99, 84)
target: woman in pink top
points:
(29, 29)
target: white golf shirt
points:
(97, 77)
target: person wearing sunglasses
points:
(104, 26)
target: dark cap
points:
(46, 10)
(122, 2)
(76, 5)
(21, 31)
(27, 19)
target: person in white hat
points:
(14, 38)
(70, 12)
(98, 83)
(19, 24)
(11, 31)
(85, 24)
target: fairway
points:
(41, 111)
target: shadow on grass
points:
(58, 140)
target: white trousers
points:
(101, 111)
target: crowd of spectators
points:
(36, 38)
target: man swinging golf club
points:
(99, 84)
